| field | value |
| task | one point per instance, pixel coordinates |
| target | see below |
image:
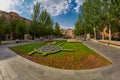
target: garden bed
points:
(82, 58)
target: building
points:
(67, 33)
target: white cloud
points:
(55, 7)
(66, 27)
(79, 3)
(9, 5)
(5, 5)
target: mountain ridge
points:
(13, 15)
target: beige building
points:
(69, 33)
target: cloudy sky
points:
(62, 11)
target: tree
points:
(21, 29)
(98, 14)
(7, 30)
(42, 24)
(79, 28)
(115, 10)
(57, 30)
(35, 19)
(91, 12)
(2, 22)
(46, 23)
(13, 24)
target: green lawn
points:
(25, 49)
(82, 58)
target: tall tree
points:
(35, 19)
(21, 29)
(13, 24)
(79, 26)
(57, 30)
(98, 14)
(42, 24)
(2, 22)
(7, 30)
(46, 23)
(91, 13)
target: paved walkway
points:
(15, 67)
(116, 43)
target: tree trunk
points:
(6, 37)
(34, 37)
(103, 36)
(109, 34)
(85, 36)
(94, 33)
(11, 36)
(0, 40)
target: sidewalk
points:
(114, 43)
(14, 41)
(117, 43)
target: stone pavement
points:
(15, 67)
(115, 43)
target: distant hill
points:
(12, 15)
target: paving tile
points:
(101, 78)
(36, 70)
(95, 75)
(0, 72)
(1, 77)
(116, 75)
(109, 72)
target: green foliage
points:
(34, 30)
(25, 49)
(2, 23)
(21, 29)
(17, 28)
(81, 27)
(45, 23)
(41, 22)
(36, 13)
(98, 14)
(57, 30)
(13, 24)
(7, 28)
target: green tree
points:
(35, 20)
(91, 11)
(42, 24)
(21, 29)
(7, 30)
(46, 23)
(79, 28)
(2, 22)
(57, 30)
(13, 24)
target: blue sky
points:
(62, 11)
